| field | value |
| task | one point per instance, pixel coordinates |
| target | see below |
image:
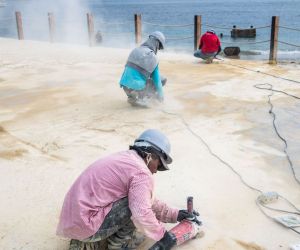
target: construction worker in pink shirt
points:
(113, 199)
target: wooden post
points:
(51, 26)
(138, 28)
(19, 25)
(274, 40)
(90, 21)
(197, 31)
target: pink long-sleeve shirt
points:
(109, 179)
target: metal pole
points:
(51, 26)
(197, 31)
(19, 25)
(90, 21)
(274, 40)
(138, 28)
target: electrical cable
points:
(258, 203)
(258, 86)
(210, 150)
(279, 210)
(233, 170)
(270, 217)
(296, 231)
(274, 90)
(264, 73)
(290, 203)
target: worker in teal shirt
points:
(141, 79)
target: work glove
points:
(185, 215)
(166, 243)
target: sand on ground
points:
(61, 108)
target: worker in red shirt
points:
(209, 46)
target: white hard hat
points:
(160, 37)
(157, 140)
(211, 31)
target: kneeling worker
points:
(141, 79)
(209, 46)
(113, 197)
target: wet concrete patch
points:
(12, 154)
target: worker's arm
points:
(140, 204)
(157, 82)
(163, 212)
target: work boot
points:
(115, 242)
(131, 100)
(79, 245)
(76, 245)
(118, 241)
(137, 239)
(143, 103)
(138, 102)
(209, 60)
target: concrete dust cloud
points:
(70, 19)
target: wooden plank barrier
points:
(138, 31)
(274, 40)
(51, 27)
(197, 31)
(138, 28)
(90, 22)
(19, 25)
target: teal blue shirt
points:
(133, 79)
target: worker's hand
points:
(166, 243)
(185, 215)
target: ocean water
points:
(114, 18)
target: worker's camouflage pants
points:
(116, 232)
(205, 56)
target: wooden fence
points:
(138, 32)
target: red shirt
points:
(209, 43)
